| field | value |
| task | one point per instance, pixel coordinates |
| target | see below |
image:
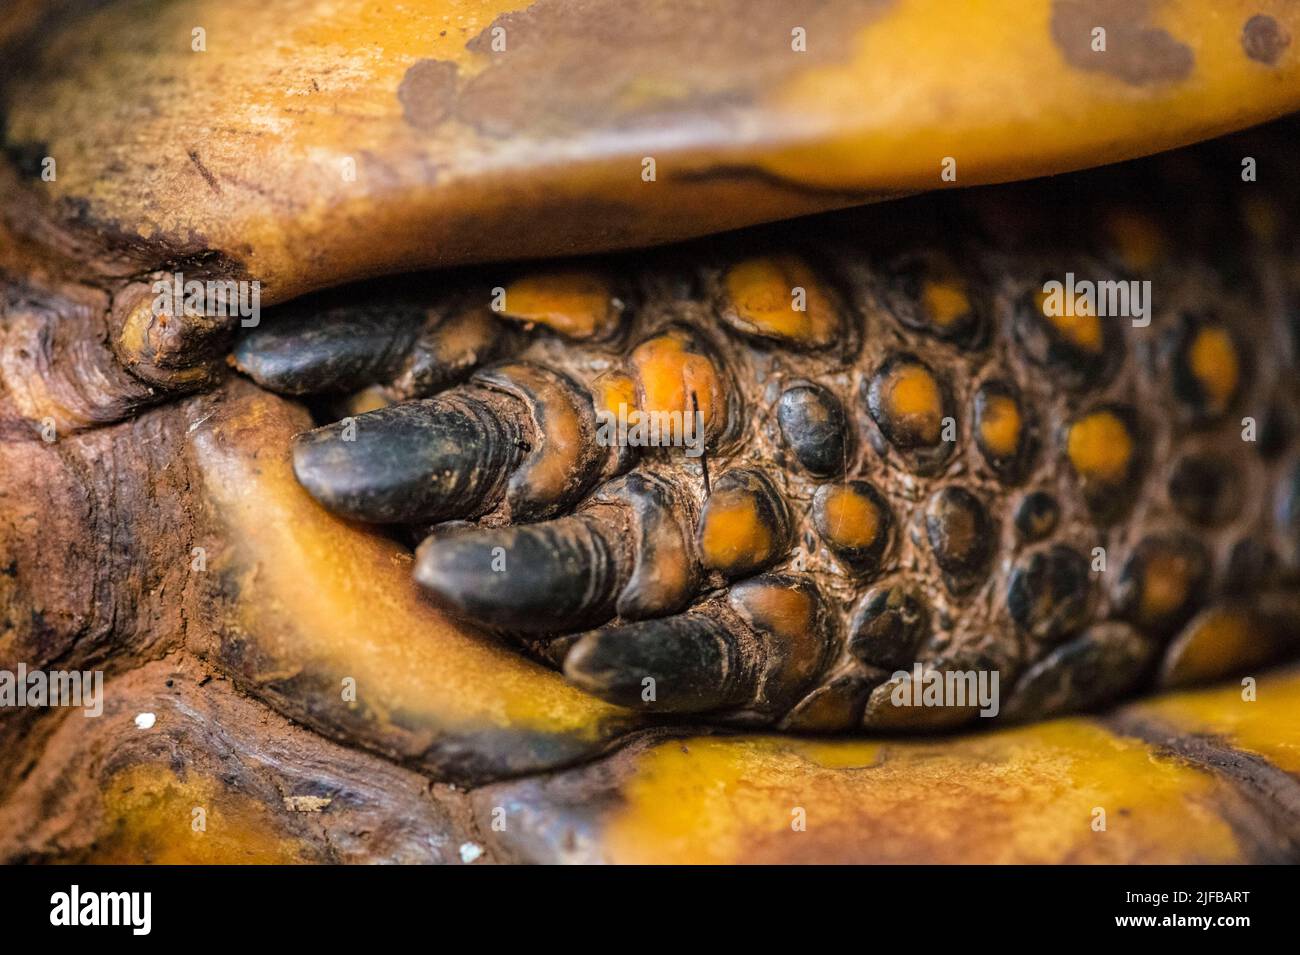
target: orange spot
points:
(1074, 325)
(574, 303)
(945, 301)
(1100, 447)
(784, 611)
(614, 390)
(369, 399)
(669, 572)
(732, 531)
(913, 397)
(465, 334)
(790, 615)
(762, 295)
(1217, 642)
(1000, 425)
(1164, 586)
(563, 445)
(667, 374)
(1213, 361)
(852, 519)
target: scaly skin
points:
(908, 461)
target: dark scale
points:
(1104, 662)
(1204, 489)
(888, 628)
(961, 537)
(1251, 565)
(929, 294)
(1208, 368)
(1104, 446)
(1287, 511)
(1276, 429)
(1079, 350)
(1050, 592)
(1162, 583)
(811, 419)
(1037, 515)
(833, 707)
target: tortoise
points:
(499, 519)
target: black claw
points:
(448, 353)
(430, 460)
(756, 652)
(340, 349)
(558, 576)
(625, 554)
(691, 663)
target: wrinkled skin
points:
(151, 526)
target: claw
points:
(410, 350)
(559, 575)
(518, 435)
(691, 663)
(755, 652)
(429, 460)
(627, 554)
(340, 349)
